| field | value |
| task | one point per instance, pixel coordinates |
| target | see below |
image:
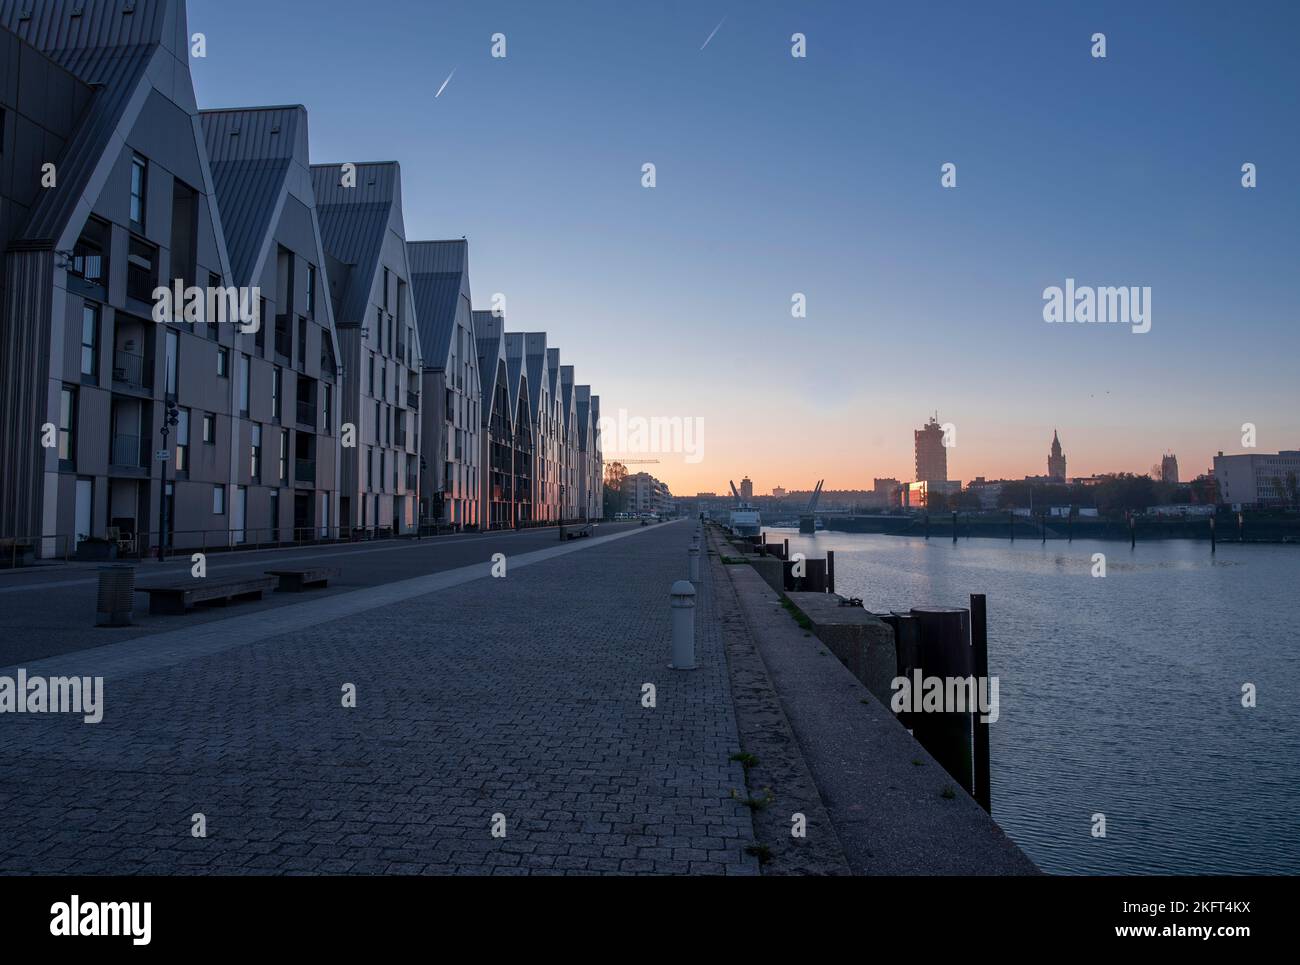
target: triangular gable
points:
(440, 286)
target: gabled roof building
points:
(287, 414)
(364, 235)
(452, 421)
(108, 198)
(499, 454)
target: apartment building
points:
(1258, 479)
(108, 196)
(530, 349)
(643, 493)
(498, 452)
(570, 444)
(286, 417)
(452, 421)
(346, 388)
(591, 476)
(524, 431)
(364, 237)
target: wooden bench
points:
(173, 598)
(295, 581)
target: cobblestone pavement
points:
(519, 697)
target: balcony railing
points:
(304, 470)
(306, 413)
(128, 369)
(126, 451)
(412, 399)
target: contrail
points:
(448, 81)
(715, 30)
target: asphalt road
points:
(50, 609)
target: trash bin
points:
(116, 595)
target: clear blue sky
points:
(778, 175)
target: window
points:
(218, 500)
(302, 342)
(311, 291)
(243, 385)
(385, 289)
(209, 428)
(383, 381)
(379, 418)
(284, 457)
(277, 383)
(172, 360)
(214, 282)
(371, 383)
(68, 429)
(139, 184)
(90, 341)
(255, 460)
(223, 362)
(328, 422)
(183, 441)
(370, 467)
(259, 337)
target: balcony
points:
(283, 339)
(125, 452)
(129, 370)
(412, 399)
(304, 471)
(307, 413)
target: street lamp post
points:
(171, 418)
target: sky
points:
(820, 175)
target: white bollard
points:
(683, 603)
(695, 564)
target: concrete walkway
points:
(893, 808)
(520, 698)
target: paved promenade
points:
(475, 697)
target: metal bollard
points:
(116, 596)
(695, 563)
(683, 603)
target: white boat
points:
(745, 520)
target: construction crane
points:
(808, 519)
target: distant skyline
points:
(821, 175)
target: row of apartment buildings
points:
(358, 390)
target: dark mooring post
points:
(830, 571)
(1132, 531)
(927, 525)
(954, 525)
(1042, 526)
(946, 653)
(1012, 513)
(979, 638)
(1241, 527)
(1069, 526)
(1213, 548)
